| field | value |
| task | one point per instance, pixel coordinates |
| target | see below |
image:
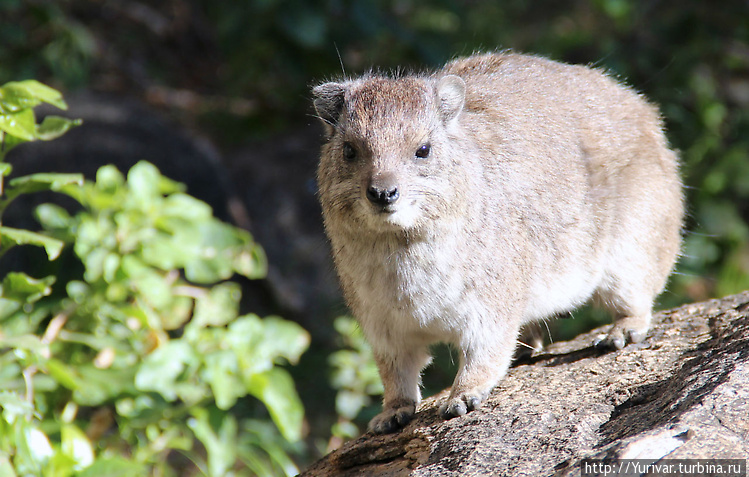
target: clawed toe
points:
(620, 336)
(460, 405)
(391, 420)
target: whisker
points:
(526, 345)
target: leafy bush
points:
(355, 376)
(133, 352)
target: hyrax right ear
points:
(329, 103)
(451, 91)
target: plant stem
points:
(28, 378)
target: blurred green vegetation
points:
(241, 70)
(130, 349)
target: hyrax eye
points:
(349, 152)
(423, 151)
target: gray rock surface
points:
(682, 393)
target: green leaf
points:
(178, 313)
(221, 372)
(6, 469)
(63, 374)
(143, 181)
(75, 444)
(32, 448)
(8, 308)
(154, 288)
(5, 169)
(169, 252)
(9, 142)
(17, 95)
(218, 243)
(39, 182)
(53, 217)
(218, 307)
(168, 186)
(14, 98)
(161, 370)
(20, 287)
(44, 181)
(186, 207)
(349, 403)
(53, 127)
(78, 291)
(221, 446)
(114, 466)
(60, 465)
(109, 178)
(10, 237)
(23, 342)
(264, 435)
(256, 460)
(275, 388)
(100, 385)
(251, 262)
(14, 407)
(21, 124)
(269, 339)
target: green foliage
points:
(111, 368)
(18, 125)
(354, 375)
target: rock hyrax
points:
(499, 190)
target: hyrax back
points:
(497, 191)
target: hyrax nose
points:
(382, 192)
(382, 196)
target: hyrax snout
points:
(382, 190)
(500, 190)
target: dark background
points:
(217, 95)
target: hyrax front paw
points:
(630, 329)
(461, 404)
(392, 419)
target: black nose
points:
(382, 196)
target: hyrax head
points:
(387, 160)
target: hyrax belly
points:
(499, 190)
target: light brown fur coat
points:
(544, 185)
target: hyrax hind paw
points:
(392, 419)
(631, 329)
(460, 405)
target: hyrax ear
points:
(451, 91)
(329, 103)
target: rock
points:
(681, 394)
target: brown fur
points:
(545, 185)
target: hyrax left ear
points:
(451, 92)
(329, 103)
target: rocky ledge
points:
(681, 394)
